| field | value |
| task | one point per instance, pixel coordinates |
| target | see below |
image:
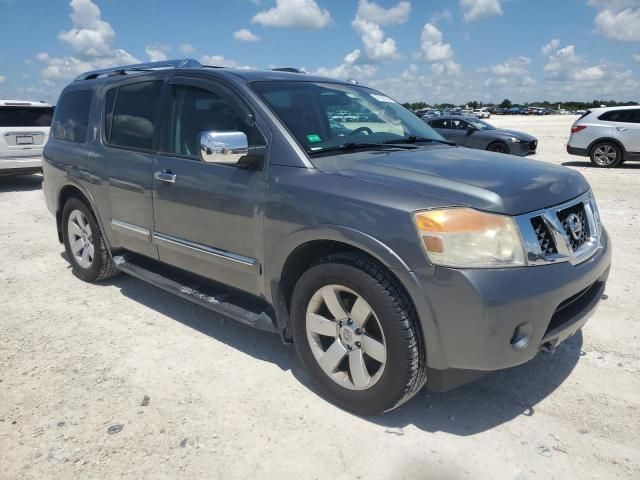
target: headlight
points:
(467, 238)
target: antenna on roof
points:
(140, 67)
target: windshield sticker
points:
(382, 98)
(314, 138)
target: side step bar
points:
(261, 321)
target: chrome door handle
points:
(165, 176)
(621, 129)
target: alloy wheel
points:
(80, 238)
(346, 337)
(605, 155)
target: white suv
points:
(610, 136)
(24, 130)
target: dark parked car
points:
(476, 133)
(389, 258)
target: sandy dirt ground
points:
(121, 380)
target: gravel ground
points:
(123, 380)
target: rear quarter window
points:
(71, 120)
(624, 116)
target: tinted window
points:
(196, 110)
(71, 120)
(134, 115)
(459, 124)
(439, 123)
(25, 116)
(625, 116)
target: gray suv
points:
(389, 257)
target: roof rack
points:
(288, 69)
(140, 67)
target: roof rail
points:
(288, 69)
(140, 67)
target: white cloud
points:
(294, 14)
(349, 68)
(3, 79)
(432, 45)
(477, 9)
(623, 25)
(91, 39)
(511, 73)
(186, 48)
(590, 73)
(566, 66)
(376, 46)
(395, 15)
(551, 46)
(441, 15)
(90, 35)
(636, 57)
(246, 35)
(156, 53)
(221, 61)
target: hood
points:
(460, 176)
(512, 133)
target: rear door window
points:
(16, 116)
(133, 122)
(71, 120)
(623, 116)
(438, 123)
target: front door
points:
(208, 217)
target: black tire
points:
(606, 155)
(498, 147)
(102, 266)
(405, 371)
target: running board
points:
(214, 301)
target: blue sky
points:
(438, 50)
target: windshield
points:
(480, 125)
(329, 116)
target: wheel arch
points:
(75, 190)
(593, 144)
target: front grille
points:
(575, 224)
(547, 245)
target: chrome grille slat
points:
(547, 235)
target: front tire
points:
(357, 335)
(606, 155)
(498, 147)
(83, 241)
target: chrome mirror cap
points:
(223, 147)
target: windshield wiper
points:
(415, 139)
(355, 146)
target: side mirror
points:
(226, 148)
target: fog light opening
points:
(521, 336)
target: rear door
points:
(627, 130)
(208, 217)
(24, 129)
(121, 165)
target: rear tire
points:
(83, 241)
(606, 155)
(375, 368)
(498, 147)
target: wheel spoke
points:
(360, 312)
(332, 357)
(358, 369)
(333, 302)
(321, 325)
(90, 250)
(75, 229)
(85, 256)
(373, 348)
(77, 247)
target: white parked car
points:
(610, 136)
(482, 113)
(24, 130)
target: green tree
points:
(506, 103)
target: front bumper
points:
(16, 165)
(523, 148)
(480, 315)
